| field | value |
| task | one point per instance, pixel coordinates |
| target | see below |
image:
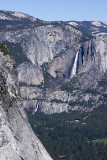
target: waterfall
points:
(36, 107)
(74, 68)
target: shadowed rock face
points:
(93, 55)
(17, 140)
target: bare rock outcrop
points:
(17, 140)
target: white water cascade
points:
(36, 107)
(74, 68)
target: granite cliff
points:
(17, 140)
(61, 65)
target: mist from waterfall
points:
(74, 68)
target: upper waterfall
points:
(74, 68)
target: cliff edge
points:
(17, 140)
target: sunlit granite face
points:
(17, 140)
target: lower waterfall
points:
(74, 68)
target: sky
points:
(59, 10)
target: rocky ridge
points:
(93, 27)
(17, 140)
(45, 57)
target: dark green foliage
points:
(81, 103)
(16, 51)
(3, 87)
(4, 49)
(11, 101)
(62, 136)
(21, 84)
(57, 101)
(69, 86)
(1, 91)
(25, 84)
(92, 91)
(47, 77)
(85, 37)
(105, 98)
(100, 140)
(103, 81)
